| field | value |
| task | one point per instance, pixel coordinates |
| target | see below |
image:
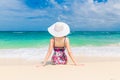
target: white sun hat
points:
(59, 29)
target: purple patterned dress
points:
(59, 56)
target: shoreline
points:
(39, 53)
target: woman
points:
(59, 42)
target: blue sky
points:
(82, 15)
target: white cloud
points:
(13, 16)
(16, 9)
(90, 15)
(79, 15)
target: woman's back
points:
(59, 56)
(59, 42)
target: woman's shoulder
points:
(52, 39)
(67, 38)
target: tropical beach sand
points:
(89, 68)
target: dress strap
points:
(64, 42)
(54, 42)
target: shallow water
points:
(41, 39)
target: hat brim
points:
(62, 33)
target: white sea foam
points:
(18, 32)
(25, 53)
(39, 53)
(108, 51)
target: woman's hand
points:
(43, 64)
(75, 64)
(79, 64)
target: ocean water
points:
(34, 45)
(23, 39)
(95, 38)
(41, 39)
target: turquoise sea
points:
(34, 45)
(29, 39)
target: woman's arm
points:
(69, 51)
(49, 51)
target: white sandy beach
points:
(89, 68)
(95, 63)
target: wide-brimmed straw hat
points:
(59, 29)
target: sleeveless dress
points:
(59, 56)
